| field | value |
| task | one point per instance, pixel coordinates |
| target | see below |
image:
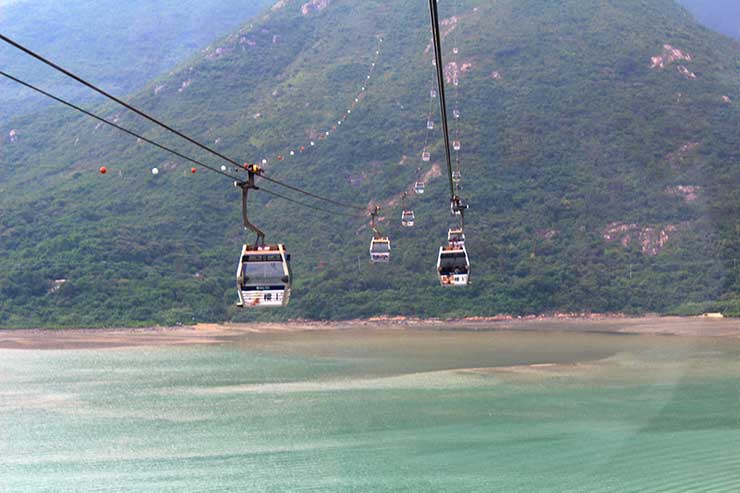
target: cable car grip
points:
(247, 185)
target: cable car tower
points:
(453, 264)
(263, 277)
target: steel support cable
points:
(162, 147)
(456, 94)
(313, 195)
(441, 83)
(309, 206)
(118, 127)
(159, 123)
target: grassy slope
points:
(574, 136)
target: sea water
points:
(397, 410)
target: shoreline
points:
(99, 338)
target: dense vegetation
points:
(121, 44)
(576, 134)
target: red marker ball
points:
(103, 170)
(193, 170)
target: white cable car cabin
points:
(426, 156)
(264, 278)
(407, 218)
(419, 187)
(456, 176)
(380, 250)
(456, 145)
(456, 237)
(453, 266)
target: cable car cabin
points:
(454, 211)
(380, 250)
(407, 218)
(456, 176)
(264, 278)
(453, 266)
(426, 156)
(419, 187)
(456, 145)
(456, 237)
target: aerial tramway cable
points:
(163, 147)
(437, 41)
(118, 127)
(167, 127)
(456, 144)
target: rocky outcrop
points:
(652, 239)
(314, 6)
(689, 193)
(678, 156)
(668, 56)
(686, 72)
(185, 85)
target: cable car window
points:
(453, 261)
(381, 247)
(264, 270)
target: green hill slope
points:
(601, 162)
(120, 44)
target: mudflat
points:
(54, 339)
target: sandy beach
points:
(54, 339)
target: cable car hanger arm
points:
(246, 186)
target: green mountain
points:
(122, 45)
(600, 161)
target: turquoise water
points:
(380, 411)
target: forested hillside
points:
(122, 44)
(601, 162)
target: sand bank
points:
(225, 333)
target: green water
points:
(384, 411)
